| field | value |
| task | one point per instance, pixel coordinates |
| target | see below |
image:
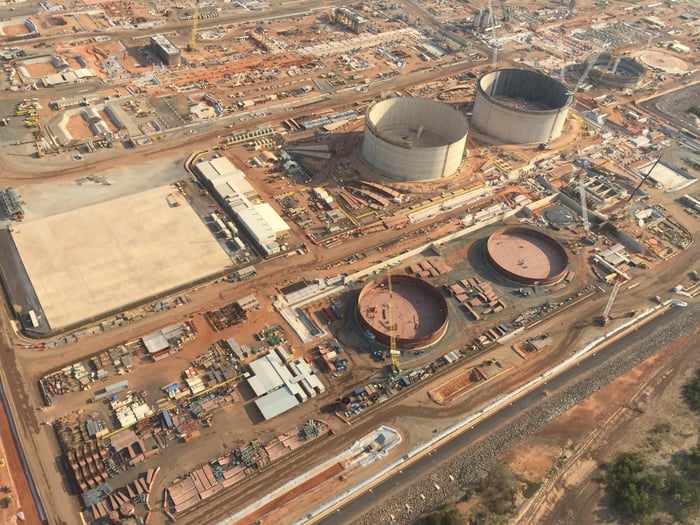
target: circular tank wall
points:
(419, 311)
(616, 71)
(517, 106)
(414, 139)
(527, 256)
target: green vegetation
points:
(635, 489)
(497, 492)
(531, 488)
(695, 110)
(640, 491)
(450, 516)
(691, 392)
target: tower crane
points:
(494, 58)
(584, 208)
(606, 313)
(192, 45)
(506, 17)
(393, 352)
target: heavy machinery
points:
(393, 351)
(603, 319)
(192, 45)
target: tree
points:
(451, 516)
(498, 490)
(635, 490)
(691, 392)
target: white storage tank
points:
(518, 106)
(414, 139)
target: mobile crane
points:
(603, 319)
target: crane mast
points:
(195, 20)
(590, 66)
(494, 58)
(393, 352)
(584, 208)
(606, 313)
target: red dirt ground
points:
(14, 30)
(78, 128)
(40, 69)
(12, 475)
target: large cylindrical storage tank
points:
(517, 106)
(527, 256)
(616, 71)
(414, 139)
(418, 311)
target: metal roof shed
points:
(266, 378)
(276, 403)
(155, 342)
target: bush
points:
(531, 488)
(635, 490)
(691, 392)
(498, 491)
(450, 516)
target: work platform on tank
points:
(88, 262)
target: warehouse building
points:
(108, 260)
(282, 384)
(260, 221)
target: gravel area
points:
(472, 464)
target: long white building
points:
(260, 221)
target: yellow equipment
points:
(195, 19)
(393, 352)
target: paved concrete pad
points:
(90, 261)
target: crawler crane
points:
(603, 319)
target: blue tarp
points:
(167, 419)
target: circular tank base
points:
(527, 256)
(418, 310)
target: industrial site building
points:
(165, 50)
(356, 23)
(281, 383)
(108, 261)
(259, 220)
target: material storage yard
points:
(260, 258)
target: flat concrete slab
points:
(88, 262)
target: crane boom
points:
(587, 71)
(195, 20)
(506, 17)
(494, 58)
(584, 208)
(606, 313)
(393, 351)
